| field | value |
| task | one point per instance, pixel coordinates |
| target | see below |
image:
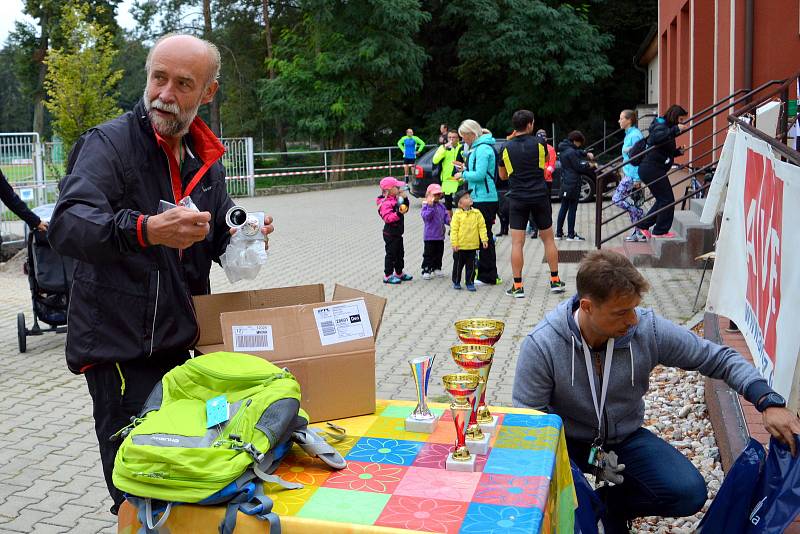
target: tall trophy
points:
(461, 389)
(481, 331)
(475, 360)
(421, 419)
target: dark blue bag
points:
(590, 508)
(778, 492)
(731, 507)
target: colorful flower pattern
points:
(520, 437)
(428, 515)
(385, 451)
(303, 469)
(512, 490)
(491, 519)
(434, 455)
(360, 476)
(437, 484)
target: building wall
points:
(701, 54)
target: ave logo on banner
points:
(763, 203)
(756, 277)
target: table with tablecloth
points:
(396, 480)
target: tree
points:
(339, 60)
(526, 54)
(80, 83)
(32, 70)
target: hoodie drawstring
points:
(573, 361)
(630, 348)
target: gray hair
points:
(211, 49)
(470, 126)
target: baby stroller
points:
(50, 278)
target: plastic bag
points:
(778, 491)
(730, 509)
(243, 258)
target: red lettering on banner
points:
(763, 206)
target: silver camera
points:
(247, 224)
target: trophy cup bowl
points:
(479, 331)
(461, 389)
(421, 419)
(477, 360)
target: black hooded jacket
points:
(130, 300)
(573, 165)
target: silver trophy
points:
(421, 419)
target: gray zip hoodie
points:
(551, 371)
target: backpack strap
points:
(256, 504)
(315, 445)
(146, 515)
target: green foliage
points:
(80, 83)
(341, 58)
(527, 54)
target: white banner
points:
(716, 193)
(756, 277)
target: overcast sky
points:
(13, 10)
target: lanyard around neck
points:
(605, 379)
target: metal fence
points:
(33, 168)
(323, 165)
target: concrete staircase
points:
(693, 238)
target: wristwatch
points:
(770, 400)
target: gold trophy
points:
(481, 331)
(461, 389)
(475, 360)
(421, 419)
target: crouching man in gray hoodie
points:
(601, 335)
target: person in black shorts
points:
(522, 162)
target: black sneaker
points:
(557, 286)
(516, 292)
(559, 237)
(575, 237)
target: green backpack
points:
(171, 454)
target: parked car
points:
(423, 177)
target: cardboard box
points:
(337, 379)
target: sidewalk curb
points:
(724, 409)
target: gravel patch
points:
(675, 410)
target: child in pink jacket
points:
(392, 205)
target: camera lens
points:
(236, 217)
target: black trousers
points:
(464, 259)
(502, 212)
(393, 262)
(432, 256)
(487, 259)
(662, 191)
(114, 405)
(568, 210)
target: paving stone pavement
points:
(50, 476)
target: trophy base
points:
(464, 466)
(480, 446)
(490, 428)
(426, 426)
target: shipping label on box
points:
(254, 337)
(340, 323)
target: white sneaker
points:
(427, 276)
(439, 273)
(479, 283)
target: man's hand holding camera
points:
(265, 230)
(179, 227)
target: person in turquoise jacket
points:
(479, 173)
(630, 182)
(411, 146)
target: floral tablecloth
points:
(396, 479)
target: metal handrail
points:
(617, 163)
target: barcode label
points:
(253, 338)
(327, 328)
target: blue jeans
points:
(659, 480)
